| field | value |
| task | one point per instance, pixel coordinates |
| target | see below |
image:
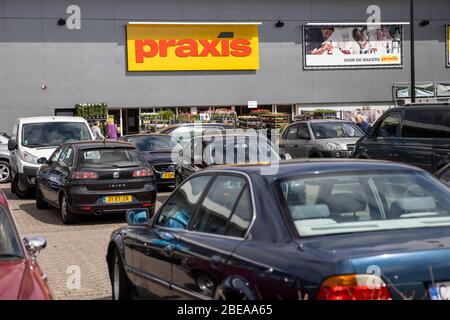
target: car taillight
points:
(84, 175)
(142, 173)
(354, 287)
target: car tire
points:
(5, 172)
(40, 202)
(119, 280)
(20, 193)
(67, 217)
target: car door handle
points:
(217, 260)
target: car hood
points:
(18, 282)
(158, 157)
(407, 260)
(40, 151)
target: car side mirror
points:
(34, 245)
(137, 217)
(12, 144)
(42, 160)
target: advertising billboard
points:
(352, 46)
(192, 46)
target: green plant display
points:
(98, 110)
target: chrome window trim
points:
(212, 172)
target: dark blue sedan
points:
(333, 230)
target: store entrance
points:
(131, 121)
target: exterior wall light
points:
(61, 22)
(279, 24)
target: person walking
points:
(112, 130)
(359, 120)
(97, 131)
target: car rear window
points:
(358, 202)
(109, 157)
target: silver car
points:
(326, 138)
(5, 175)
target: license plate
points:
(117, 199)
(168, 175)
(440, 291)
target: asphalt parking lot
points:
(73, 250)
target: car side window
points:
(418, 124)
(66, 157)
(445, 176)
(303, 132)
(388, 127)
(55, 156)
(178, 210)
(442, 121)
(215, 214)
(291, 133)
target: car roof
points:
(51, 119)
(322, 120)
(315, 166)
(147, 135)
(421, 107)
(92, 144)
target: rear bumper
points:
(84, 201)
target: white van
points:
(36, 137)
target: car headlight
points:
(28, 157)
(333, 146)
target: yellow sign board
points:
(185, 46)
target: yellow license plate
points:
(117, 199)
(168, 175)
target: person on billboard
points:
(363, 39)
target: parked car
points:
(160, 151)
(94, 177)
(230, 148)
(5, 172)
(38, 137)
(21, 278)
(318, 229)
(324, 138)
(186, 131)
(418, 135)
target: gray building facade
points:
(45, 66)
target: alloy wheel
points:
(4, 172)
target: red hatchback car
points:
(20, 275)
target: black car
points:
(186, 131)
(160, 151)
(317, 229)
(229, 148)
(95, 178)
(418, 135)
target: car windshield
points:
(154, 143)
(238, 149)
(9, 244)
(360, 202)
(109, 157)
(329, 130)
(51, 134)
